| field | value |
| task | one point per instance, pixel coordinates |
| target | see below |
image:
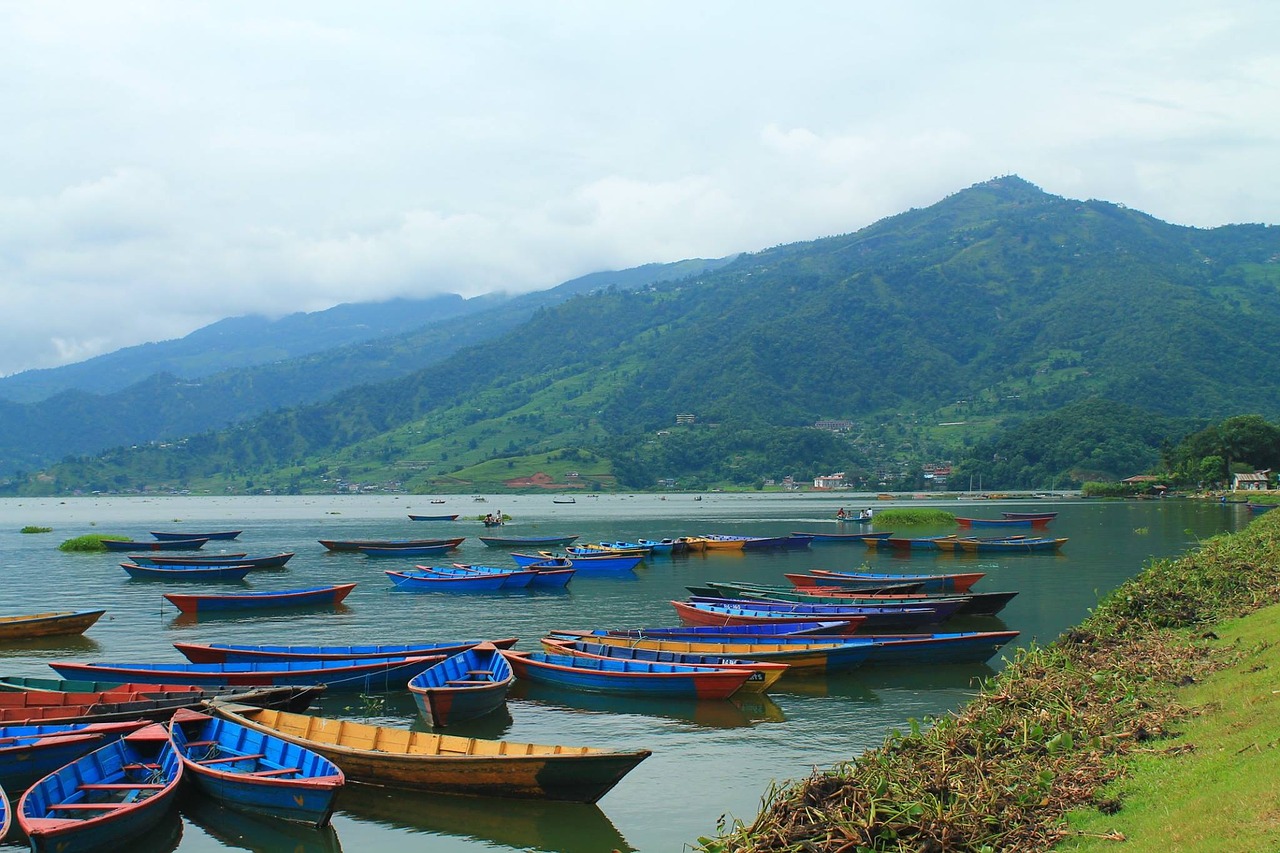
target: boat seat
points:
(282, 771)
(469, 681)
(477, 672)
(79, 806)
(141, 767)
(201, 742)
(118, 786)
(249, 756)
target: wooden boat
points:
(1012, 546)
(527, 541)
(422, 761)
(950, 582)
(907, 543)
(270, 561)
(511, 578)
(1259, 508)
(663, 546)
(367, 674)
(763, 675)
(1032, 515)
(170, 535)
(31, 752)
(611, 549)
(6, 814)
(819, 538)
(876, 649)
(462, 687)
(405, 550)
(48, 624)
(242, 653)
(104, 798)
(356, 544)
(975, 603)
(448, 517)
(156, 545)
(254, 771)
(551, 573)
(626, 677)
(44, 706)
(731, 612)
(33, 694)
(420, 580)
(821, 629)
(199, 574)
(602, 564)
(310, 596)
(718, 542)
(804, 658)
(567, 500)
(792, 541)
(1002, 522)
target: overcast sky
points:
(167, 164)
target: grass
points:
(913, 517)
(31, 528)
(90, 542)
(1096, 719)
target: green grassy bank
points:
(1152, 725)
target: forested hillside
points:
(930, 333)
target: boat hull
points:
(462, 687)
(50, 624)
(316, 596)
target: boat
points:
(527, 541)
(462, 687)
(762, 675)
(975, 603)
(51, 623)
(405, 550)
(309, 596)
(719, 542)
(356, 544)
(819, 538)
(950, 582)
(902, 543)
(804, 658)
(554, 572)
(103, 798)
(511, 578)
(447, 517)
(609, 549)
(242, 653)
(367, 674)
(186, 573)
(155, 545)
(563, 500)
(420, 580)
(626, 677)
(423, 761)
(1012, 546)
(254, 771)
(662, 546)
(602, 564)
(1260, 508)
(270, 561)
(1049, 516)
(54, 700)
(790, 541)
(874, 616)
(221, 534)
(1002, 523)
(30, 752)
(822, 628)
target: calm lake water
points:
(711, 761)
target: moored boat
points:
(32, 751)
(354, 545)
(170, 535)
(1020, 545)
(861, 617)
(197, 574)
(625, 677)
(464, 686)
(269, 561)
(511, 578)
(154, 545)
(527, 541)
(946, 582)
(447, 517)
(907, 543)
(803, 658)
(420, 580)
(1002, 522)
(48, 624)
(243, 653)
(1032, 515)
(310, 596)
(405, 550)
(367, 674)
(819, 538)
(103, 798)
(255, 771)
(422, 761)
(763, 674)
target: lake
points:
(711, 762)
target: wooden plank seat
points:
(201, 742)
(119, 786)
(141, 767)
(82, 806)
(468, 681)
(280, 771)
(249, 756)
(477, 672)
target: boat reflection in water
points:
(263, 616)
(239, 830)
(539, 825)
(734, 712)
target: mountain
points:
(235, 369)
(920, 335)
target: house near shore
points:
(1258, 481)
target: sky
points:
(165, 165)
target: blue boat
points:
(104, 798)
(366, 674)
(873, 616)
(186, 573)
(527, 541)
(553, 573)
(763, 675)
(329, 595)
(511, 578)
(154, 545)
(628, 677)
(246, 653)
(755, 632)
(464, 686)
(30, 752)
(404, 550)
(171, 535)
(269, 561)
(250, 770)
(603, 564)
(421, 580)
(6, 814)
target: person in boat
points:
(865, 515)
(840, 513)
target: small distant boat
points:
(156, 545)
(222, 534)
(30, 752)
(1048, 516)
(511, 578)
(449, 517)
(628, 677)
(815, 655)
(464, 686)
(662, 546)
(952, 582)
(254, 771)
(48, 624)
(568, 500)
(310, 596)
(818, 538)
(437, 500)
(244, 653)
(1003, 522)
(422, 761)
(272, 561)
(1012, 546)
(711, 611)
(420, 580)
(367, 674)
(104, 798)
(819, 629)
(186, 573)
(763, 675)
(602, 564)
(405, 550)
(924, 543)
(527, 541)
(1253, 507)
(356, 544)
